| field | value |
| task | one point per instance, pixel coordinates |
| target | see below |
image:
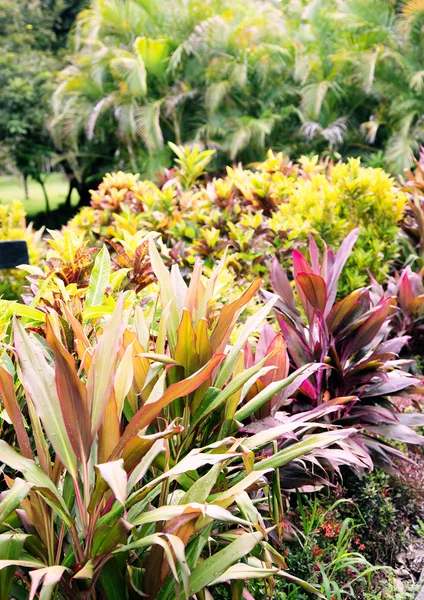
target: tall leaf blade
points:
(7, 393)
(103, 366)
(72, 395)
(39, 381)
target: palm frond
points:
(147, 119)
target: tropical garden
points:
(212, 361)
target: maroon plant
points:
(407, 292)
(351, 336)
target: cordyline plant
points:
(136, 479)
(413, 219)
(350, 337)
(407, 292)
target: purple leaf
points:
(399, 432)
(339, 262)
(281, 285)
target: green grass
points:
(12, 188)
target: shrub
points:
(406, 290)
(351, 337)
(136, 471)
(259, 213)
(13, 227)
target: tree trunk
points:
(26, 187)
(46, 198)
(84, 193)
(73, 184)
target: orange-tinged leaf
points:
(7, 393)
(194, 292)
(417, 305)
(147, 413)
(124, 379)
(109, 432)
(102, 371)
(203, 346)
(228, 315)
(141, 364)
(72, 397)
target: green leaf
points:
(319, 440)
(274, 388)
(214, 566)
(39, 381)
(172, 546)
(109, 536)
(13, 498)
(99, 279)
(246, 572)
(213, 401)
(112, 581)
(35, 476)
(11, 546)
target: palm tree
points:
(239, 75)
(186, 74)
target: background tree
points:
(341, 77)
(33, 36)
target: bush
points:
(13, 227)
(260, 213)
(137, 472)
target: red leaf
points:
(315, 290)
(7, 393)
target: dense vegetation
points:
(339, 78)
(335, 77)
(157, 419)
(211, 377)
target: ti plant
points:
(351, 337)
(136, 476)
(407, 292)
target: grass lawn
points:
(12, 188)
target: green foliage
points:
(260, 213)
(383, 501)
(32, 34)
(134, 459)
(333, 77)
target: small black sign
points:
(13, 253)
